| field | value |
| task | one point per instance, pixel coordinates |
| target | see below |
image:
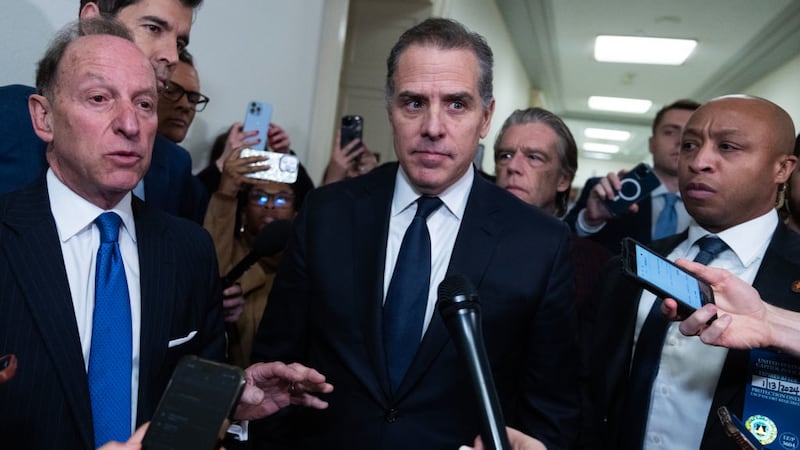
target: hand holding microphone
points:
(460, 309)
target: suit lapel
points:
(39, 269)
(473, 249)
(371, 227)
(157, 284)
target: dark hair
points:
(684, 104)
(186, 57)
(444, 34)
(113, 7)
(567, 149)
(47, 69)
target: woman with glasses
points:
(237, 212)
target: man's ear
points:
(41, 117)
(89, 11)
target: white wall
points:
(782, 86)
(244, 49)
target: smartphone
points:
(635, 185)
(283, 167)
(257, 117)
(663, 278)
(192, 412)
(352, 129)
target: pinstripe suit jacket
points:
(46, 405)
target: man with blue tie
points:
(661, 213)
(653, 387)
(356, 293)
(102, 294)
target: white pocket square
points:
(183, 340)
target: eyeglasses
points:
(279, 200)
(174, 91)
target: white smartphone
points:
(283, 167)
(257, 117)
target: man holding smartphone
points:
(660, 213)
(673, 383)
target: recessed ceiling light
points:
(594, 155)
(609, 135)
(629, 105)
(643, 50)
(602, 148)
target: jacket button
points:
(391, 416)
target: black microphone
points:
(460, 309)
(270, 240)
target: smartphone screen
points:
(257, 117)
(664, 278)
(191, 414)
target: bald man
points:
(735, 152)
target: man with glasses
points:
(180, 99)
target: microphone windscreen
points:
(272, 238)
(456, 292)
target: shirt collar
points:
(74, 214)
(454, 197)
(747, 240)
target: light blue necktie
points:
(407, 296)
(667, 222)
(111, 352)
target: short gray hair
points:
(47, 69)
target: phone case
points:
(257, 117)
(283, 167)
(636, 185)
(191, 413)
(352, 128)
(629, 264)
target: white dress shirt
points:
(80, 240)
(443, 226)
(684, 387)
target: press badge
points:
(772, 400)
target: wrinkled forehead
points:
(106, 56)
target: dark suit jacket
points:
(325, 311)
(638, 226)
(614, 328)
(169, 183)
(46, 405)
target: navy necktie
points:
(667, 222)
(407, 296)
(112, 339)
(647, 356)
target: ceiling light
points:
(643, 50)
(593, 155)
(602, 148)
(609, 135)
(628, 105)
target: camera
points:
(635, 185)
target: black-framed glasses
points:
(279, 200)
(173, 92)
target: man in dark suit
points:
(96, 111)
(725, 141)
(590, 217)
(160, 28)
(334, 302)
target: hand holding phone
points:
(279, 167)
(663, 278)
(635, 185)
(192, 412)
